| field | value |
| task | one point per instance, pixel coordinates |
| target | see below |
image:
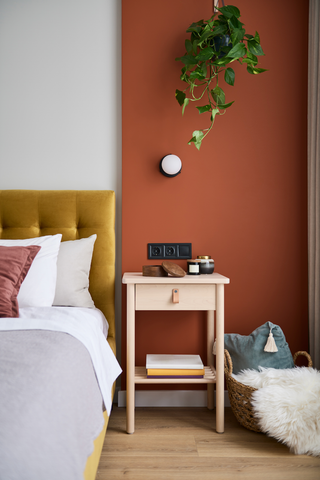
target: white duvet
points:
(88, 325)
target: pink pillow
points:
(14, 266)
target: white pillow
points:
(73, 266)
(38, 288)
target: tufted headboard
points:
(76, 214)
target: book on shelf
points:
(174, 366)
(175, 371)
(157, 377)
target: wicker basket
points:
(240, 395)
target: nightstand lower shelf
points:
(141, 377)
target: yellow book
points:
(174, 371)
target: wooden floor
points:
(181, 443)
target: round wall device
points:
(170, 165)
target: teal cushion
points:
(248, 351)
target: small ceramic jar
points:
(194, 267)
(206, 264)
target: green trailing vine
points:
(213, 45)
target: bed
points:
(57, 332)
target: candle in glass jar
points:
(193, 267)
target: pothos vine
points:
(213, 45)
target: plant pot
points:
(220, 42)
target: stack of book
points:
(174, 366)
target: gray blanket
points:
(51, 407)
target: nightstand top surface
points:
(137, 277)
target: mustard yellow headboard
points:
(76, 214)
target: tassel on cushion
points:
(270, 346)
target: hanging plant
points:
(213, 45)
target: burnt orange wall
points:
(242, 197)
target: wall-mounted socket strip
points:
(166, 251)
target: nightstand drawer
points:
(189, 297)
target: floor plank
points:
(153, 445)
(181, 443)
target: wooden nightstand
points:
(200, 292)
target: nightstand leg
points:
(210, 341)
(220, 359)
(130, 356)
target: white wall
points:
(60, 98)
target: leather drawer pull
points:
(175, 295)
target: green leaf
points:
(220, 30)
(229, 10)
(225, 105)
(204, 69)
(204, 37)
(197, 74)
(237, 35)
(185, 103)
(205, 54)
(184, 77)
(195, 46)
(205, 34)
(234, 23)
(205, 108)
(247, 35)
(188, 45)
(194, 29)
(255, 71)
(257, 37)
(188, 60)
(180, 96)
(222, 19)
(253, 58)
(255, 47)
(194, 37)
(221, 62)
(200, 22)
(218, 95)
(229, 76)
(259, 70)
(214, 112)
(238, 51)
(197, 137)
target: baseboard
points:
(169, 398)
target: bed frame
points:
(76, 214)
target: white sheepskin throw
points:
(287, 405)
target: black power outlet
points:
(166, 251)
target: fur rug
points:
(287, 405)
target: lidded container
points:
(206, 264)
(194, 267)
